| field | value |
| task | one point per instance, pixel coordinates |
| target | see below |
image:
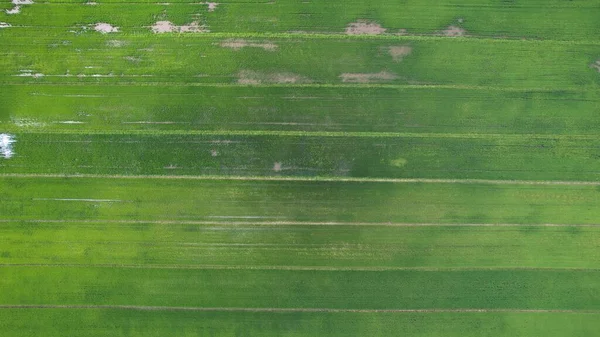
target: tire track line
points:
(298, 268)
(308, 179)
(100, 222)
(300, 133)
(291, 310)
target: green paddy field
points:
(300, 168)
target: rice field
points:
(299, 168)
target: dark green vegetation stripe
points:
(520, 157)
(91, 323)
(152, 199)
(312, 108)
(571, 290)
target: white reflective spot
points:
(6, 142)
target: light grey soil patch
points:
(163, 27)
(90, 3)
(277, 167)
(253, 77)
(454, 31)
(193, 27)
(401, 32)
(367, 77)
(105, 28)
(168, 27)
(133, 59)
(30, 73)
(211, 6)
(596, 65)
(238, 44)
(363, 27)
(399, 52)
(4, 25)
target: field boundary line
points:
(307, 179)
(312, 85)
(284, 310)
(91, 222)
(294, 268)
(277, 133)
(294, 223)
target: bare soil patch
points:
(4, 25)
(168, 27)
(17, 6)
(596, 65)
(454, 31)
(212, 6)
(364, 27)
(115, 43)
(277, 167)
(367, 77)
(163, 27)
(238, 44)
(399, 52)
(253, 77)
(105, 28)
(193, 27)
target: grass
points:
(146, 174)
(200, 59)
(485, 18)
(297, 108)
(155, 199)
(433, 156)
(574, 290)
(250, 245)
(77, 322)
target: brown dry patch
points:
(454, 31)
(238, 44)
(596, 65)
(253, 77)
(363, 27)
(367, 77)
(399, 52)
